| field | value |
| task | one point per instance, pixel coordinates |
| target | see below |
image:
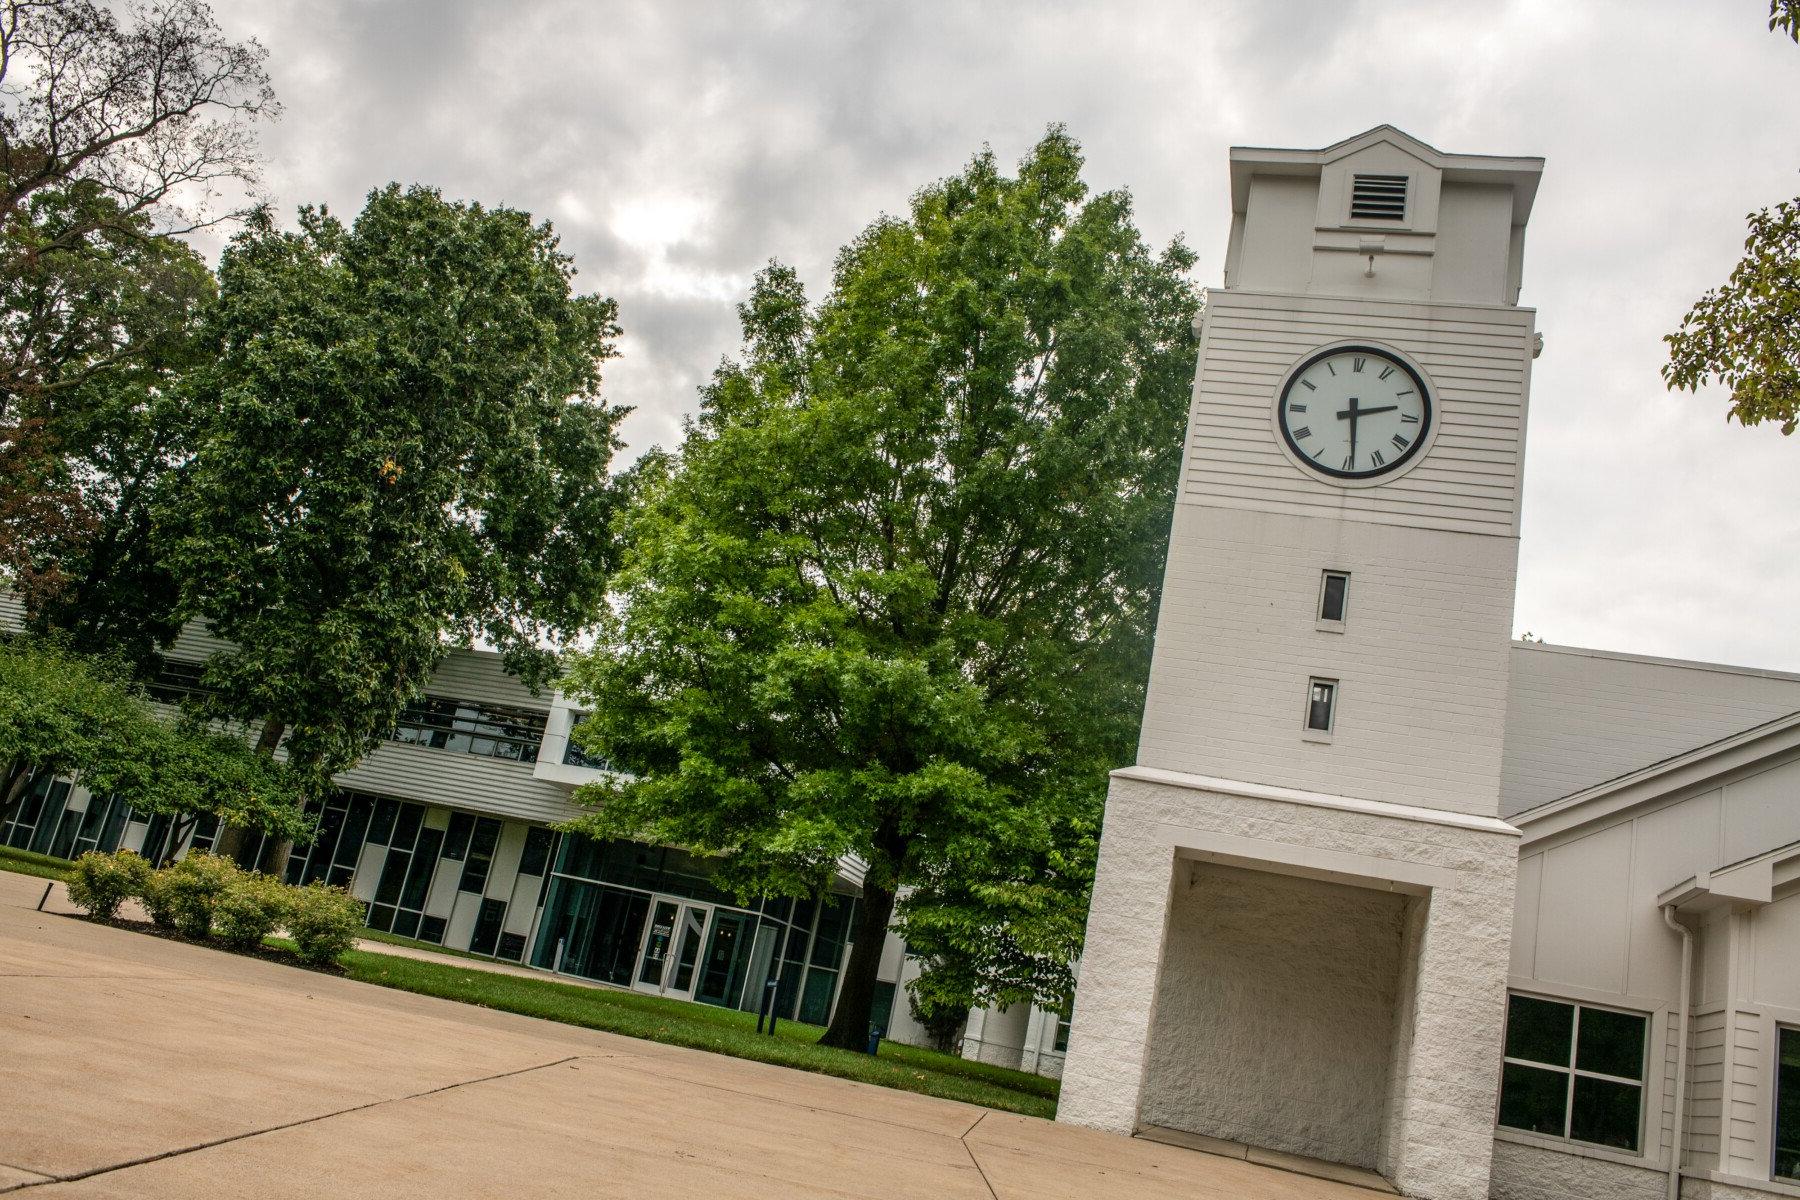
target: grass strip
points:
(24, 862)
(718, 1030)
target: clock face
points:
(1354, 412)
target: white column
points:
(1103, 1073)
(1441, 1139)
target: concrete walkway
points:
(136, 1067)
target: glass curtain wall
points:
(44, 822)
(605, 907)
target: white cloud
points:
(679, 147)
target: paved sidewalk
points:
(137, 1067)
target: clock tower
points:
(1301, 917)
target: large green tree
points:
(404, 449)
(108, 323)
(118, 127)
(1745, 333)
(893, 599)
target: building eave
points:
(1656, 780)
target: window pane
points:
(1611, 1043)
(1606, 1113)
(1331, 605)
(1539, 1030)
(1533, 1099)
(1318, 708)
(537, 851)
(1787, 1106)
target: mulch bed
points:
(274, 954)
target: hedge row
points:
(205, 896)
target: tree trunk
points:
(275, 857)
(270, 736)
(19, 779)
(230, 841)
(849, 1028)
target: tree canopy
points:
(108, 323)
(894, 596)
(404, 448)
(118, 126)
(1745, 334)
(68, 714)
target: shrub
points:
(323, 921)
(159, 900)
(250, 908)
(191, 888)
(99, 883)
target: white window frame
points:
(1307, 732)
(1777, 1027)
(1319, 619)
(1642, 1084)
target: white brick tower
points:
(1299, 931)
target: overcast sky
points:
(678, 146)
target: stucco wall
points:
(1275, 1014)
(1439, 1132)
(1531, 1173)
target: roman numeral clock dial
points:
(1354, 412)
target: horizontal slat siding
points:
(1664, 1121)
(478, 675)
(457, 780)
(1476, 360)
(1706, 1074)
(1746, 1095)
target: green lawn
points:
(703, 1027)
(26, 863)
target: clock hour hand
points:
(1352, 413)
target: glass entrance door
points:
(672, 948)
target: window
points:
(1334, 590)
(481, 857)
(483, 729)
(1787, 1104)
(1061, 1044)
(176, 680)
(1321, 702)
(1378, 198)
(536, 858)
(574, 755)
(1573, 1071)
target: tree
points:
(67, 714)
(404, 448)
(1746, 334)
(115, 133)
(154, 113)
(110, 324)
(894, 597)
(184, 769)
(60, 714)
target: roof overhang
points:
(1522, 173)
(1748, 883)
(1657, 780)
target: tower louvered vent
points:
(1378, 198)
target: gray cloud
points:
(678, 146)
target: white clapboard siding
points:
(1706, 1087)
(1475, 359)
(478, 675)
(457, 780)
(1742, 1155)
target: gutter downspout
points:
(1681, 1052)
